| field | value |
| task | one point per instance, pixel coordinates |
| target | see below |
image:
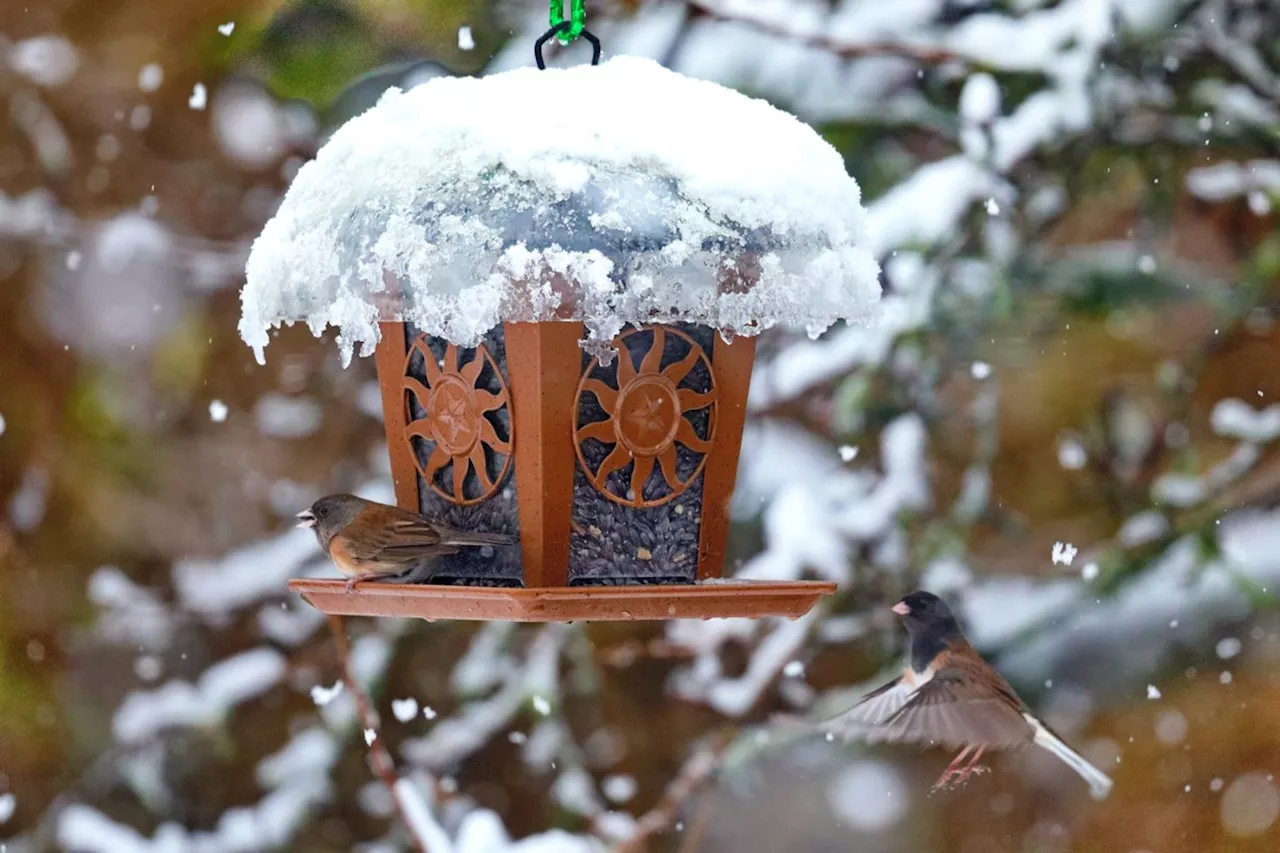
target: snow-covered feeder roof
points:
(612, 194)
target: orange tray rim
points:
(426, 590)
(718, 599)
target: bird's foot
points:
(370, 577)
(945, 782)
(965, 758)
(953, 779)
(963, 776)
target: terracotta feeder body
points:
(563, 301)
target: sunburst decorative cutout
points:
(647, 417)
(456, 422)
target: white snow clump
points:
(616, 194)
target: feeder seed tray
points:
(565, 604)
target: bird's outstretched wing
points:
(865, 720)
(964, 703)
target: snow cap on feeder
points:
(615, 195)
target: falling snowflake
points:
(1071, 454)
(541, 705)
(619, 788)
(404, 709)
(793, 669)
(228, 28)
(147, 667)
(848, 453)
(980, 370)
(217, 411)
(1089, 572)
(1153, 692)
(1064, 553)
(465, 40)
(1227, 648)
(199, 97)
(150, 77)
(370, 736)
(324, 695)
(429, 712)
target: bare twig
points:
(846, 49)
(693, 776)
(380, 760)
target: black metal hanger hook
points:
(557, 30)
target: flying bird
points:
(948, 695)
(372, 541)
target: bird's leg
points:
(971, 767)
(355, 579)
(952, 769)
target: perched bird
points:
(373, 541)
(949, 695)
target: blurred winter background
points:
(1066, 421)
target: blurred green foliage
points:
(313, 50)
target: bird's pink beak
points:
(901, 608)
(306, 519)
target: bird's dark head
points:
(330, 514)
(923, 612)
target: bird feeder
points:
(561, 274)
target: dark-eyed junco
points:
(949, 695)
(373, 541)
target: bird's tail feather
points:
(1099, 783)
(458, 537)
